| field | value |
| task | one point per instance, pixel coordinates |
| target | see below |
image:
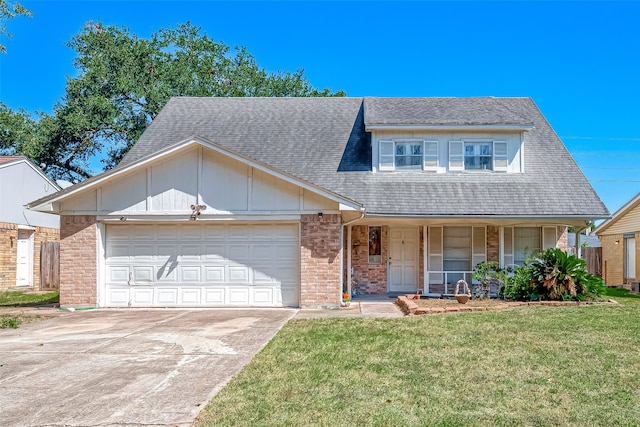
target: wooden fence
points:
(593, 258)
(50, 265)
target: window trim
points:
(457, 154)
(387, 161)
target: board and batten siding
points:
(513, 139)
(197, 176)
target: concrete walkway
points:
(361, 306)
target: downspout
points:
(348, 223)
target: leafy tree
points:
(123, 81)
(9, 11)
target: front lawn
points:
(27, 299)
(537, 366)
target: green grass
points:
(13, 321)
(525, 366)
(25, 299)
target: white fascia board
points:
(620, 212)
(32, 166)
(522, 128)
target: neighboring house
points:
(22, 231)
(586, 241)
(276, 201)
(620, 240)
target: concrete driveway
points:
(126, 367)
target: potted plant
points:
(346, 299)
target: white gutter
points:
(524, 128)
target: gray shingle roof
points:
(323, 141)
(442, 111)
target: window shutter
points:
(507, 247)
(456, 155)
(549, 238)
(387, 155)
(500, 156)
(435, 262)
(430, 155)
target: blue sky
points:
(579, 61)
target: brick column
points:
(320, 261)
(78, 260)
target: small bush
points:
(9, 322)
(553, 275)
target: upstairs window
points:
(408, 155)
(478, 155)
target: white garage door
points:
(201, 265)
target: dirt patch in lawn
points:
(442, 302)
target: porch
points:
(399, 258)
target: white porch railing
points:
(444, 282)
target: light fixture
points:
(196, 211)
(617, 241)
(320, 215)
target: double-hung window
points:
(478, 155)
(408, 154)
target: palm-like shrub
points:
(558, 275)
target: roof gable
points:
(621, 218)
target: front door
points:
(24, 272)
(630, 258)
(403, 259)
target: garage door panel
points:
(168, 272)
(118, 274)
(214, 296)
(142, 273)
(190, 273)
(190, 252)
(214, 253)
(202, 264)
(262, 253)
(237, 232)
(262, 296)
(239, 253)
(118, 297)
(167, 296)
(214, 274)
(189, 297)
(238, 296)
(238, 273)
(141, 296)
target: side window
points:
(387, 158)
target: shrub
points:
(553, 275)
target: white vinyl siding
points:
(456, 155)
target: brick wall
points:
(493, 243)
(371, 278)
(612, 259)
(78, 260)
(9, 252)
(563, 238)
(320, 261)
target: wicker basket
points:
(464, 297)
